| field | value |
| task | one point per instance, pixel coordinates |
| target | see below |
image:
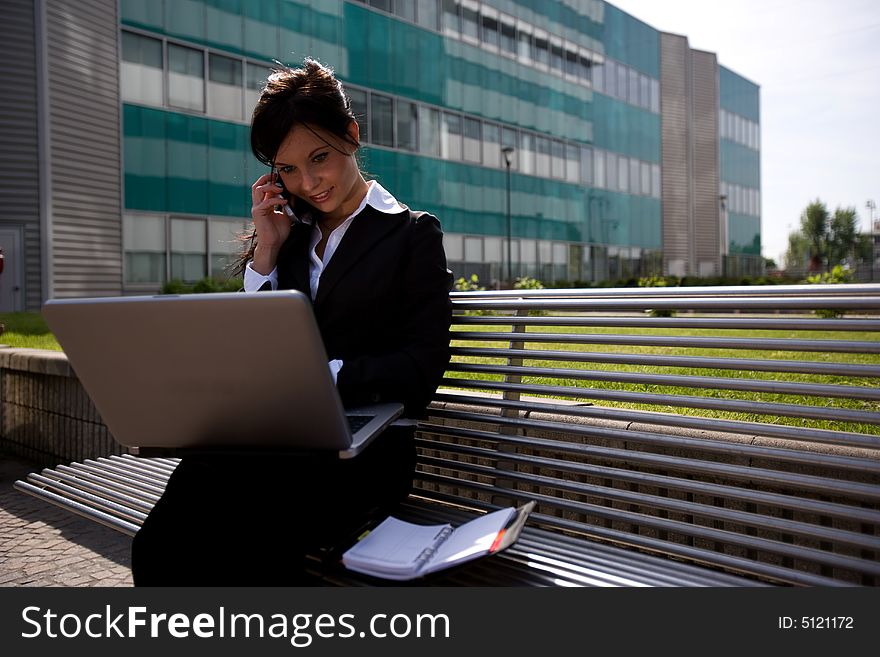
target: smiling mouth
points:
(319, 198)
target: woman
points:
(376, 273)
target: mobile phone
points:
(288, 210)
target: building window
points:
(384, 5)
(508, 36)
(489, 30)
(556, 57)
(224, 239)
(610, 78)
(359, 109)
(427, 14)
(255, 77)
(140, 76)
(407, 126)
(450, 136)
(451, 18)
(611, 171)
(571, 63)
(473, 249)
(622, 78)
(644, 91)
(224, 87)
(527, 252)
(470, 23)
(599, 77)
(585, 67)
(515, 261)
(453, 245)
(144, 245)
(542, 50)
(623, 174)
(406, 9)
(633, 95)
(472, 140)
(381, 120)
(545, 252)
(525, 47)
(526, 153)
(599, 168)
(572, 163)
(188, 252)
(560, 253)
(646, 178)
(492, 145)
(586, 165)
(492, 249)
(655, 180)
(542, 157)
(635, 176)
(557, 159)
(510, 139)
(186, 78)
(429, 131)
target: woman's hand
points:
(272, 226)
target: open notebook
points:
(401, 550)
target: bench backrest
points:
(742, 432)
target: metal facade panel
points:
(19, 143)
(84, 119)
(675, 168)
(705, 187)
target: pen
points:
(497, 541)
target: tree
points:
(865, 249)
(814, 227)
(842, 236)
(798, 253)
(824, 240)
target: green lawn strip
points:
(695, 371)
(27, 330)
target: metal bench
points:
(729, 489)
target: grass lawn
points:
(867, 359)
(27, 330)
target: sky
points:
(818, 65)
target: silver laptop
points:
(211, 371)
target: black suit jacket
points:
(382, 306)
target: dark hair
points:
(310, 96)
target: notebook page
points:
(471, 539)
(393, 545)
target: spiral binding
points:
(428, 552)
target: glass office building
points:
(598, 144)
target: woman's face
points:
(320, 173)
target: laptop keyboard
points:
(358, 422)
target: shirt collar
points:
(377, 197)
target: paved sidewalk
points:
(43, 545)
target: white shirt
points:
(377, 197)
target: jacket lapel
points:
(365, 231)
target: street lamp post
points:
(508, 151)
(871, 207)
